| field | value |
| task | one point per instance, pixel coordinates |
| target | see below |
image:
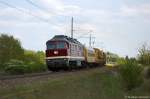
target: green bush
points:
(15, 67)
(36, 67)
(20, 67)
(16, 60)
(120, 61)
(131, 74)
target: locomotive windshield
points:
(51, 45)
(56, 45)
(61, 45)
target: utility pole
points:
(72, 27)
(93, 42)
(90, 40)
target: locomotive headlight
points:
(55, 52)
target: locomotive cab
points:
(56, 48)
(56, 54)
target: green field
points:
(93, 84)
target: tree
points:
(10, 48)
(35, 61)
(41, 56)
(30, 56)
(144, 54)
(33, 56)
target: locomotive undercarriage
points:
(64, 64)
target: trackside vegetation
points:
(14, 59)
(144, 58)
(130, 73)
(133, 72)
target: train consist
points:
(66, 53)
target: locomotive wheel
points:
(67, 69)
(84, 65)
(72, 65)
(53, 69)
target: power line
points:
(37, 6)
(46, 11)
(23, 11)
(90, 39)
(41, 8)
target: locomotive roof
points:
(65, 38)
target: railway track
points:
(11, 77)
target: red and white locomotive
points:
(63, 53)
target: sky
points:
(118, 26)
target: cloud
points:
(60, 28)
(86, 26)
(128, 11)
(57, 7)
(137, 10)
(54, 4)
(11, 16)
(96, 12)
(70, 10)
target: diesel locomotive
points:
(63, 52)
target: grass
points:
(143, 90)
(89, 85)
